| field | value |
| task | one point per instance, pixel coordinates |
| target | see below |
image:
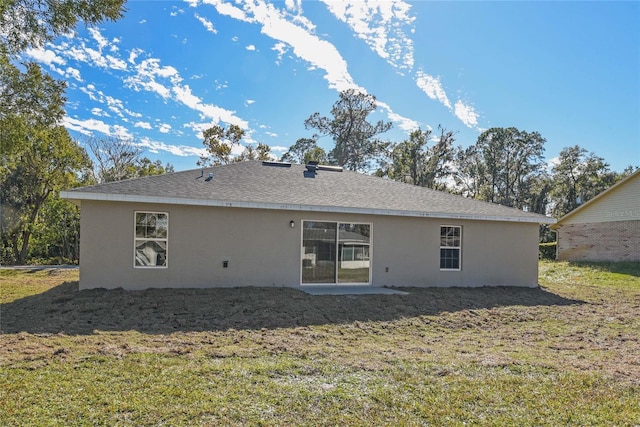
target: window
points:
(450, 247)
(151, 239)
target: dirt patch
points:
(64, 309)
(598, 332)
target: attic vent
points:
(330, 168)
(312, 167)
(276, 164)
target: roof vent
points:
(276, 164)
(330, 168)
(210, 177)
(312, 168)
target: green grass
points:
(568, 354)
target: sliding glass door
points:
(335, 252)
(318, 252)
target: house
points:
(606, 228)
(280, 224)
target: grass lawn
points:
(567, 353)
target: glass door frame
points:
(336, 281)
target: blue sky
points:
(169, 69)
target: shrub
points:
(547, 250)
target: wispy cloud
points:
(142, 125)
(296, 32)
(386, 26)
(433, 88)
(467, 114)
(45, 56)
(208, 25)
(177, 150)
(90, 126)
(382, 24)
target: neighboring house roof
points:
(598, 199)
(272, 185)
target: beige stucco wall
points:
(263, 250)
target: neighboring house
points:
(281, 224)
(606, 228)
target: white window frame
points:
(137, 239)
(459, 248)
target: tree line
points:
(504, 165)
(38, 157)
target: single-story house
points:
(605, 228)
(280, 224)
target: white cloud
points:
(134, 54)
(45, 56)
(72, 72)
(197, 128)
(281, 48)
(143, 125)
(433, 88)
(164, 128)
(176, 150)
(272, 134)
(207, 24)
(99, 112)
(86, 127)
(279, 148)
(183, 94)
(305, 45)
(249, 102)
(467, 114)
(115, 63)
(382, 24)
(99, 38)
(250, 47)
(404, 123)
(318, 53)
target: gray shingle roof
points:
(255, 185)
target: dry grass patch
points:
(565, 354)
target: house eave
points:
(78, 196)
(559, 223)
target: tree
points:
(415, 162)
(31, 23)
(27, 100)
(117, 159)
(56, 233)
(469, 172)
(304, 151)
(577, 177)
(506, 164)
(49, 160)
(146, 167)
(261, 152)
(219, 142)
(354, 136)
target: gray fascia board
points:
(81, 195)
